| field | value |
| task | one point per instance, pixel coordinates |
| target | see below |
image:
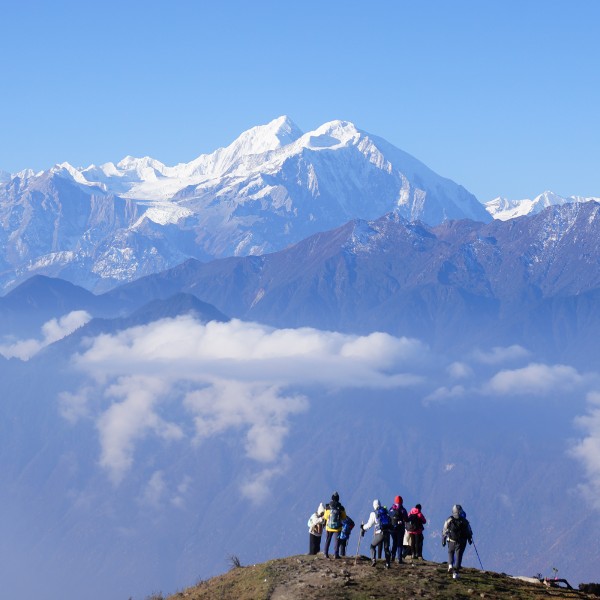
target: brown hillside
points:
(317, 578)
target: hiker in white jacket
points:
(315, 530)
(380, 519)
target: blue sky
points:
(500, 96)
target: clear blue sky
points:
(501, 96)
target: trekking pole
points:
(360, 537)
(479, 559)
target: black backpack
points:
(458, 530)
(335, 516)
(414, 523)
(396, 518)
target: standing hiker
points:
(414, 526)
(315, 530)
(334, 516)
(398, 516)
(381, 519)
(347, 527)
(456, 533)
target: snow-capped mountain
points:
(504, 209)
(273, 186)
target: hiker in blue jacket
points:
(347, 526)
(381, 520)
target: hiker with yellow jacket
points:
(334, 515)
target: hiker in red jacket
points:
(414, 526)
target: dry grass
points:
(316, 578)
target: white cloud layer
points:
(51, 332)
(236, 376)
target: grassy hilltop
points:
(316, 578)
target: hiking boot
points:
(455, 575)
(449, 568)
(373, 562)
(387, 565)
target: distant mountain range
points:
(272, 187)
(532, 281)
(504, 209)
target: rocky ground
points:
(318, 578)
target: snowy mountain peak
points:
(70, 172)
(331, 135)
(264, 138)
(131, 163)
(504, 208)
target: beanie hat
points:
(398, 499)
(376, 504)
(335, 496)
(457, 510)
(321, 509)
(418, 506)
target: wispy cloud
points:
(129, 420)
(51, 332)
(500, 355)
(443, 394)
(535, 379)
(587, 449)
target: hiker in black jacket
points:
(398, 516)
(456, 533)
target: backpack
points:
(414, 523)
(397, 517)
(347, 527)
(383, 518)
(458, 530)
(335, 516)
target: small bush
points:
(590, 588)
(234, 561)
(155, 596)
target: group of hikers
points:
(398, 532)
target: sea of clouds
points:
(256, 379)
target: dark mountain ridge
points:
(533, 280)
